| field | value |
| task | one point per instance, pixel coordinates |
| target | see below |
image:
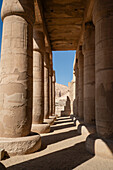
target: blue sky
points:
(63, 65)
(62, 61)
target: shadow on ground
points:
(61, 127)
(67, 121)
(50, 139)
(2, 167)
(65, 159)
(63, 118)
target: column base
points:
(57, 116)
(73, 117)
(50, 121)
(78, 121)
(86, 129)
(41, 128)
(53, 117)
(100, 147)
(21, 145)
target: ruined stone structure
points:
(60, 100)
(32, 29)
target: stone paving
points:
(62, 149)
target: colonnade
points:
(27, 80)
(94, 78)
(25, 68)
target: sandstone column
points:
(103, 20)
(50, 120)
(89, 73)
(53, 91)
(89, 80)
(38, 82)
(77, 83)
(80, 87)
(16, 81)
(50, 90)
(46, 85)
(74, 92)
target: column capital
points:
(80, 55)
(46, 60)
(51, 68)
(89, 33)
(102, 9)
(38, 40)
(23, 8)
(54, 77)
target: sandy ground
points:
(62, 149)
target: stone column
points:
(38, 82)
(80, 87)
(89, 80)
(16, 80)
(46, 85)
(77, 83)
(74, 92)
(51, 118)
(50, 90)
(53, 91)
(89, 73)
(103, 20)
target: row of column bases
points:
(27, 80)
(94, 81)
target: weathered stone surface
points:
(85, 130)
(100, 147)
(103, 20)
(21, 145)
(16, 69)
(67, 108)
(41, 128)
(71, 96)
(89, 73)
(50, 90)
(61, 92)
(46, 85)
(50, 121)
(53, 91)
(81, 83)
(38, 76)
(77, 87)
(53, 117)
(64, 20)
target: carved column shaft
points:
(80, 87)
(16, 68)
(50, 90)
(46, 86)
(77, 84)
(53, 91)
(38, 76)
(89, 73)
(74, 92)
(103, 20)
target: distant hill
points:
(60, 90)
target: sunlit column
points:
(89, 73)
(16, 78)
(80, 87)
(38, 82)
